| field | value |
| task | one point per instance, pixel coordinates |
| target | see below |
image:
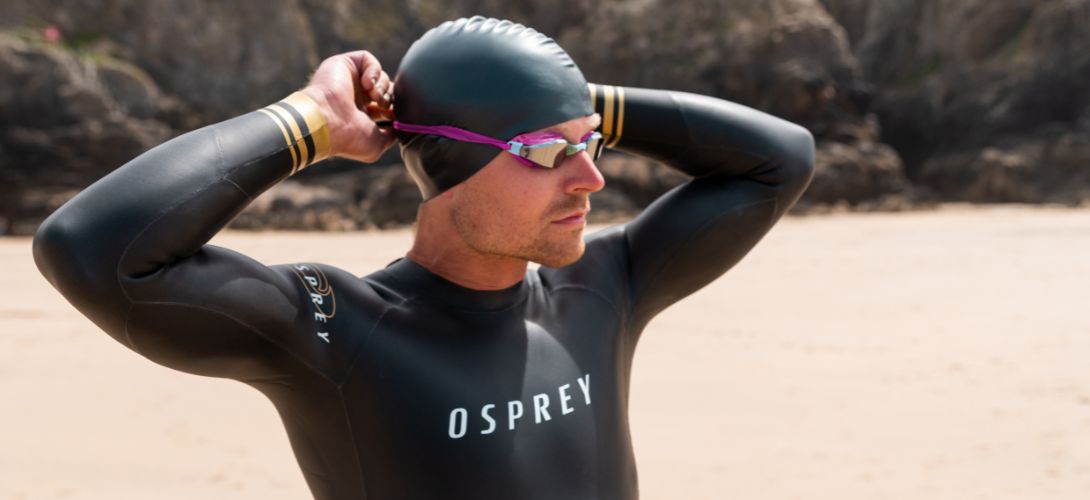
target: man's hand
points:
(353, 91)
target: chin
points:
(561, 258)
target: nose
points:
(583, 175)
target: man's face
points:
(535, 214)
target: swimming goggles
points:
(540, 149)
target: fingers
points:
(360, 94)
(374, 82)
(379, 113)
(366, 66)
(380, 91)
(384, 89)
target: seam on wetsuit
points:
(167, 210)
(693, 145)
(637, 294)
(163, 213)
(253, 329)
(452, 307)
(420, 299)
(340, 392)
(414, 296)
(321, 469)
(125, 325)
(355, 445)
(688, 129)
(616, 310)
(195, 193)
(677, 248)
(363, 345)
(243, 191)
(219, 156)
(344, 404)
(124, 253)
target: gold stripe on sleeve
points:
(593, 96)
(304, 153)
(287, 139)
(305, 130)
(620, 118)
(315, 122)
(607, 128)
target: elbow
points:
(66, 253)
(797, 159)
(53, 248)
(82, 275)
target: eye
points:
(545, 155)
(561, 154)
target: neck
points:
(439, 249)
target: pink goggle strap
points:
(451, 133)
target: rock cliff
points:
(910, 100)
(984, 100)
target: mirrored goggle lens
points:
(550, 155)
(546, 155)
(594, 146)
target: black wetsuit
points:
(401, 385)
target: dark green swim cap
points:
(488, 76)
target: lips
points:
(577, 217)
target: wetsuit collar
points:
(423, 285)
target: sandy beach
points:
(922, 355)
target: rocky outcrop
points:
(125, 77)
(67, 120)
(976, 94)
(221, 57)
(1050, 166)
(971, 94)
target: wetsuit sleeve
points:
(130, 252)
(748, 168)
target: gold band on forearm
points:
(304, 128)
(608, 101)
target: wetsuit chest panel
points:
(519, 403)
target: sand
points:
(940, 355)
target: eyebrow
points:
(597, 121)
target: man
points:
(455, 372)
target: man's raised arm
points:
(129, 251)
(748, 169)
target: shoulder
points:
(334, 313)
(323, 285)
(328, 296)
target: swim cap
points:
(488, 76)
